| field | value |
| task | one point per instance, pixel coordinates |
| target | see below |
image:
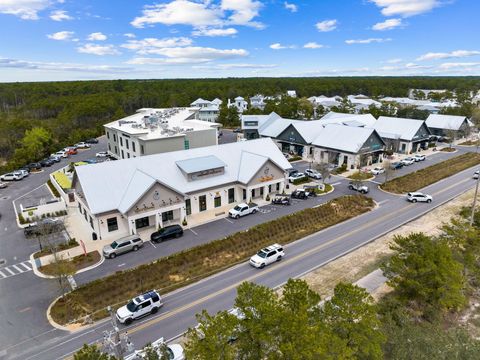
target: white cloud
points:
(405, 8)
(234, 66)
(367, 41)
(54, 66)
(278, 46)
(312, 45)
(201, 13)
(100, 50)
(291, 7)
(394, 61)
(388, 24)
(150, 45)
(60, 15)
(24, 9)
(61, 35)
(448, 55)
(97, 36)
(214, 32)
(447, 66)
(326, 25)
(129, 35)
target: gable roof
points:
(275, 126)
(397, 128)
(118, 185)
(446, 122)
(344, 138)
(368, 120)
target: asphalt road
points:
(24, 298)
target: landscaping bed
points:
(177, 270)
(361, 176)
(80, 262)
(469, 143)
(431, 174)
(48, 251)
(328, 188)
(295, 158)
(448, 149)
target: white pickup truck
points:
(242, 210)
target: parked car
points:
(418, 196)
(396, 165)
(3, 185)
(357, 186)
(175, 351)
(242, 210)
(13, 176)
(167, 232)
(281, 200)
(147, 303)
(377, 170)
(61, 153)
(123, 245)
(34, 166)
(44, 227)
(46, 162)
(299, 194)
(55, 158)
(92, 141)
(419, 157)
(296, 176)
(237, 130)
(408, 161)
(476, 174)
(292, 170)
(101, 154)
(71, 150)
(267, 256)
(24, 172)
(314, 174)
(82, 145)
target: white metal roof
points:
(343, 138)
(117, 185)
(368, 120)
(201, 163)
(397, 128)
(446, 122)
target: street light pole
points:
(472, 215)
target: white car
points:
(101, 154)
(418, 196)
(475, 174)
(82, 145)
(267, 255)
(175, 351)
(314, 174)
(3, 185)
(61, 153)
(296, 176)
(24, 172)
(408, 161)
(377, 171)
(13, 176)
(147, 303)
(243, 209)
(419, 157)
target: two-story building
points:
(207, 110)
(118, 198)
(153, 131)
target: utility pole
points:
(472, 215)
(112, 340)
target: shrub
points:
(53, 189)
(301, 181)
(295, 158)
(184, 222)
(267, 198)
(21, 219)
(340, 169)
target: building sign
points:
(144, 208)
(266, 178)
(207, 173)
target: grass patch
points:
(431, 174)
(448, 149)
(62, 180)
(295, 158)
(328, 188)
(174, 271)
(301, 181)
(48, 251)
(470, 143)
(361, 176)
(80, 262)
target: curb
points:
(37, 272)
(388, 192)
(102, 259)
(55, 324)
(329, 192)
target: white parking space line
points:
(2, 275)
(383, 202)
(10, 271)
(336, 183)
(151, 243)
(24, 264)
(193, 232)
(18, 269)
(231, 222)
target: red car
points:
(71, 151)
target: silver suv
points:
(123, 245)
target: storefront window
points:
(231, 195)
(112, 224)
(167, 215)
(202, 202)
(188, 207)
(217, 201)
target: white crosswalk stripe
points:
(15, 269)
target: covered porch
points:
(155, 219)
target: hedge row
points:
(168, 273)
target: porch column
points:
(183, 215)
(265, 192)
(158, 221)
(131, 226)
(282, 187)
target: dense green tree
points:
(424, 271)
(91, 352)
(35, 144)
(352, 316)
(411, 112)
(228, 116)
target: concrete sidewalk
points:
(372, 281)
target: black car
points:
(281, 200)
(237, 130)
(92, 141)
(292, 171)
(46, 162)
(171, 231)
(397, 165)
(34, 166)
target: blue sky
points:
(46, 40)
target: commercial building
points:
(403, 136)
(442, 125)
(119, 198)
(153, 131)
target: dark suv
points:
(172, 231)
